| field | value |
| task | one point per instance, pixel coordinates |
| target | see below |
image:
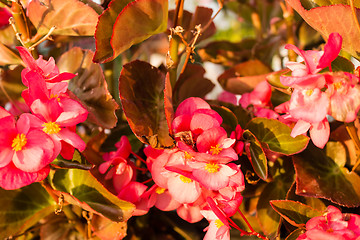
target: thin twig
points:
(46, 37)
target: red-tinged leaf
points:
(256, 155)
(192, 83)
(71, 17)
(296, 213)
(334, 18)
(142, 97)
(22, 208)
(58, 227)
(168, 103)
(276, 136)
(106, 229)
(275, 190)
(122, 26)
(244, 77)
(89, 86)
(202, 16)
(11, 81)
(317, 175)
(295, 234)
(80, 188)
(8, 57)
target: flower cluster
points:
(199, 169)
(332, 225)
(197, 177)
(35, 139)
(316, 95)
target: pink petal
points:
(190, 105)
(319, 133)
(13, 178)
(301, 127)
(29, 60)
(331, 50)
(183, 192)
(210, 138)
(72, 138)
(73, 113)
(189, 213)
(165, 202)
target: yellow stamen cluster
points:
(215, 150)
(188, 156)
(309, 92)
(218, 223)
(160, 190)
(51, 127)
(337, 85)
(212, 167)
(55, 96)
(185, 179)
(19, 142)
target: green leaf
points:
(333, 18)
(276, 135)
(295, 234)
(275, 190)
(126, 23)
(89, 86)
(229, 119)
(317, 175)
(296, 213)
(341, 64)
(22, 208)
(142, 97)
(71, 17)
(256, 155)
(81, 188)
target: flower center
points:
(55, 96)
(19, 142)
(215, 150)
(338, 85)
(188, 156)
(218, 223)
(212, 167)
(185, 179)
(160, 190)
(51, 127)
(309, 92)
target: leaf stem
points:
(253, 232)
(19, 22)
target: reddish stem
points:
(138, 157)
(253, 232)
(147, 181)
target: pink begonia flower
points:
(333, 225)
(237, 135)
(259, 97)
(133, 192)
(306, 76)
(162, 199)
(58, 122)
(47, 69)
(25, 153)
(309, 105)
(343, 91)
(227, 97)
(217, 229)
(190, 105)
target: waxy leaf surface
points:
(317, 175)
(276, 135)
(142, 98)
(126, 23)
(295, 213)
(81, 188)
(256, 155)
(335, 18)
(70, 17)
(90, 86)
(8, 57)
(22, 208)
